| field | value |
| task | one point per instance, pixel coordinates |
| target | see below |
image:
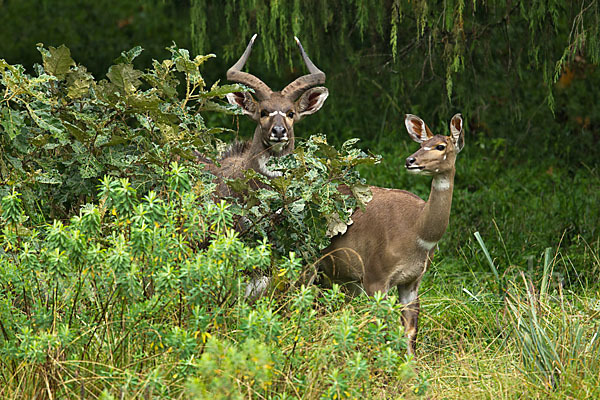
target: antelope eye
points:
(263, 113)
(440, 147)
(290, 114)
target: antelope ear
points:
(311, 101)
(246, 102)
(417, 129)
(456, 130)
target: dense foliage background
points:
(101, 282)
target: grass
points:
(526, 345)
(469, 347)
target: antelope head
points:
(276, 112)
(438, 152)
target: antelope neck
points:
(259, 155)
(433, 221)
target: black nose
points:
(410, 161)
(278, 130)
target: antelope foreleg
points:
(410, 320)
(408, 295)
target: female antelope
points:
(392, 241)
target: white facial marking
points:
(441, 183)
(427, 148)
(273, 138)
(274, 113)
(445, 156)
(425, 245)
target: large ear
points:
(417, 129)
(246, 102)
(311, 101)
(456, 130)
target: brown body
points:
(391, 243)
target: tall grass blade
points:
(546, 276)
(487, 255)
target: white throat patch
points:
(262, 167)
(441, 183)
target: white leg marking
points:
(257, 287)
(425, 245)
(407, 296)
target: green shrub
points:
(61, 130)
(141, 294)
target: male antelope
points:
(392, 241)
(275, 114)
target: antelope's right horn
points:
(235, 74)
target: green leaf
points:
(51, 123)
(220, 91)
(239, 185)
(144, 103)
(77, 132)
(125, 77)
(50, 178)
(297, 206)
(79, 82)
(40, 140)
(362, 193)
(200, 59)
(90, 168)
(128, 56)
(58, 62)
(216, 107)
(163, 85)
(107, 91)
(214, 131)
(12, 122)
(335, 225)
(185, 65)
